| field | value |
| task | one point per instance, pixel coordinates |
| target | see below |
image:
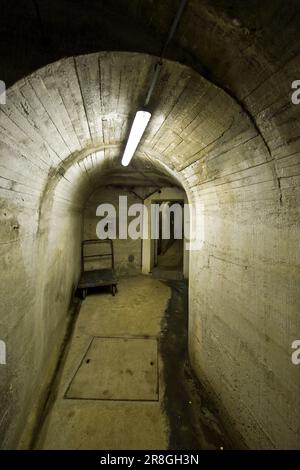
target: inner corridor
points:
(111, 113)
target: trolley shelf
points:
(97, 277)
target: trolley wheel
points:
(83, 293)
(114, 289)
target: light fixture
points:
(137, 130)
(142, 117)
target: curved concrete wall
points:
(60, 129)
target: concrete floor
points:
(117, 387)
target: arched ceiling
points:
(220, 39)
(250, 49)
(223, 126)
(71, 119)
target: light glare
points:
(137, 130)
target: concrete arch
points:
(60, 128)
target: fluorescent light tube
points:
(137, 130)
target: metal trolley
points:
(97, 277)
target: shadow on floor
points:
(194, 422)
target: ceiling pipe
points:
(158, 64)
(173, 27)
(143, 116)
(157, 69)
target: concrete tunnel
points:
(227, 140)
